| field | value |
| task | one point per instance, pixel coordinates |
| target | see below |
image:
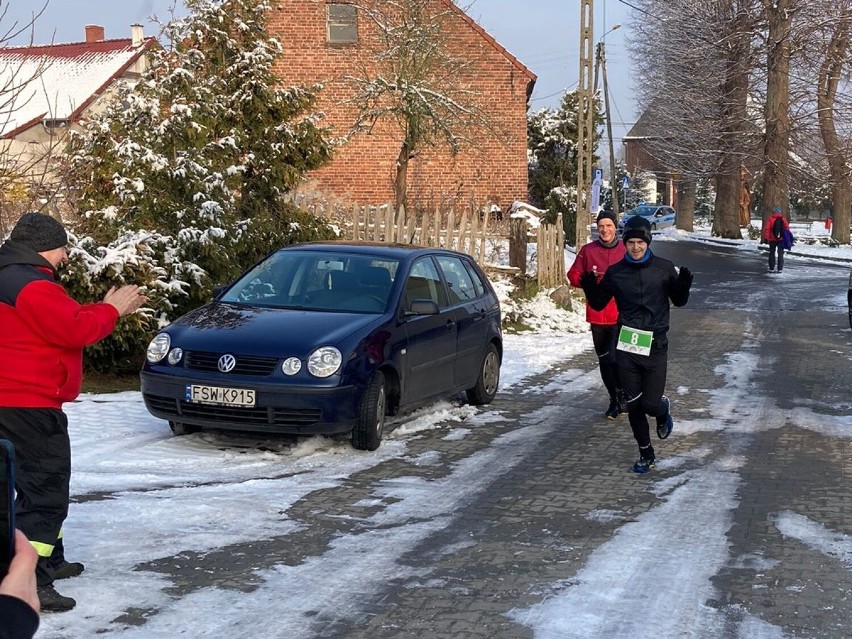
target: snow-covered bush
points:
(183, 177)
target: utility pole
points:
(612, 179)
(585, 125)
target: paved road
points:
(535, 526)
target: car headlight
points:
(158, 348)
(174, 355)
(324, 361)
(291, 366)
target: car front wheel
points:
(488, 380)
(370, 423)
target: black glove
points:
(684, 277)
(588, 281)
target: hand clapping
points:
(125, 299)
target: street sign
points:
(625, 182)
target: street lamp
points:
(602, 62)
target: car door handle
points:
(450, 325)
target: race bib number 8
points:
(632, 340)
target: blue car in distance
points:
(660, 216)
(329, 338)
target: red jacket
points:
(43, 332)
(768, 233)
(594, 256)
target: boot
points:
(665, 423)
(612, 411)
(52, 601)
(67, 569)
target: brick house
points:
(642, 155)
(50, 89)
(324, 41)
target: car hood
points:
(267, 331)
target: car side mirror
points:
(218, 290)
(422, 307)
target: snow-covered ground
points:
(159, 495)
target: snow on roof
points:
(526, 211)
(57, 81)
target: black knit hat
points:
(637, 227)
(606, 215)
(39, 232)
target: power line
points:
(640, 10)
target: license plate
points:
(220, 396)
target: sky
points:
(542, 34)
(167, 494)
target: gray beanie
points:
(39, 232)
(637, 227)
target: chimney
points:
(94, 33)
(136, 34)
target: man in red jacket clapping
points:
(41, 344)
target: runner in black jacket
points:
(642, 285)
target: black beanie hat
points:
(606, 215)
(637, 228)
(39, 232)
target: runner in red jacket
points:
(597, 256)
(44, 332)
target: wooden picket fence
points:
(550, 254)
(470, 232)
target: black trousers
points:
(42, 478)
(775, 247)
(643, 379)
(604, 337)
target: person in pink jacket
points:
(596, 257)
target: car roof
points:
(398, 251)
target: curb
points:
(763, 247)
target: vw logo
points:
(227, 363)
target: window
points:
(342, 23)
(458, 279)
(424, 283)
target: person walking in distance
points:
(642, 285)
(44, 333)
(597, 256)
(773, 234)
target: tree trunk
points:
(829, 78)
(400, 183)
(686, 205)
(776, 150)
(726, 219)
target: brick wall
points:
(493, 169)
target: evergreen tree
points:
(552, 152)
(183, 177)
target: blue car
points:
(329, 338)
(659, 215)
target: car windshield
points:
(317, 280)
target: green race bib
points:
(632, 340)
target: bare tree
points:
(413, 83)
(837, 55)
(698, 62)
(776, 156)
(26, 168)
